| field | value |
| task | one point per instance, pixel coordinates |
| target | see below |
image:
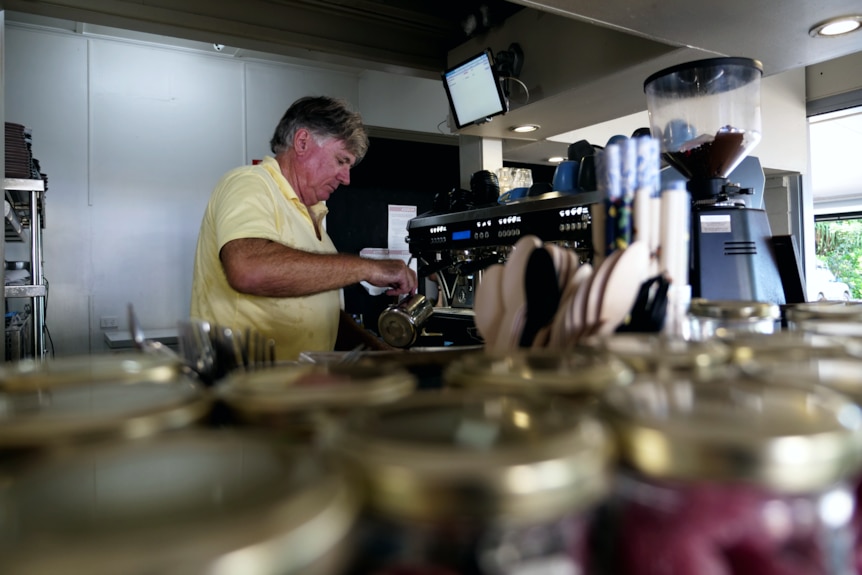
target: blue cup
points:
(513, 194)
(566, 176)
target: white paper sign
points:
(398, 218)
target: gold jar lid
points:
(654, 353)
(841, 373)
(451, 454)
(38, 417)
(787, 346)
(824, 311)
(831, 318)
(574, 372)
(204, 501)
(787, 438)
(733, 310)
(126, 367)
(300, 387)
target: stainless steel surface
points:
(23, 185)
(36, 276)
(214, 351)
(401, 324)
(14, 229)
(31, 291)
(29, 208)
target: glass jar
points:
(473, 483)
(718, 318)
(123, 367)
(734, 477)
(86, 398)
(842, 373)
(654, 355)
(757, 353)
(580, 373)
(828, 318)
(304, 400)
(193, 501)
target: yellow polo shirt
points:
(258, 202)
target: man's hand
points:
(393, 273)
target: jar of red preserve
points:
(733, 477)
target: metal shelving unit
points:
(25, 220)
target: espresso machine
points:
(454, 249)
(706, 114)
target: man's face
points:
(323, 166)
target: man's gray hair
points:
(325, 118)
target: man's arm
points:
(265, 268)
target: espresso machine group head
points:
(707, 116)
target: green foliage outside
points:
(839, 245)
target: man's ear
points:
(301, 140)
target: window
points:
(838, 245)
(836, 176)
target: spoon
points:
(488, 303)
(576, 318)
(513, 289)
(592, 306)
(622, 286)
(561, 324)
(542, 292)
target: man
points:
(264, 261)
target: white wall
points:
(834, 77)
(402, 102)
(133, 138)
(47, 92)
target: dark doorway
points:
(393, 172)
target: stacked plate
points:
(18, 155)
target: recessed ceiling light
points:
(556, 159)
(836, 26)
(524, 128)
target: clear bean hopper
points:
(707, 115)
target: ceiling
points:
(406, 36)
(584, 61)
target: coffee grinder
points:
(706, 114)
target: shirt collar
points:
(317, 212)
